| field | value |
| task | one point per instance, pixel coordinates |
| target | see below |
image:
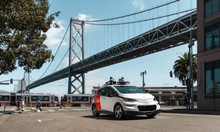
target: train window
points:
(4, 98)
(46, 98)
(40, 98)
(84, 99)
(18, 97)
(65, 98)
(56, 99)
(34, 98)
(79, 98)
(74, 98)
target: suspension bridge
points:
(154, 36)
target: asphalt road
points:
(82, 121)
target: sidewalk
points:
(183, 110)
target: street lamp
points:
(142, 74)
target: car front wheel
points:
(95, 112)
(151, 115)
(119, 112)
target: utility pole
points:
(190, 71)
(142, 74)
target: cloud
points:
(55, 35)
(139, 4)
(84, 17)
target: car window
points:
(114, 93)
(128, 89)
(110, 91)
(101, 91)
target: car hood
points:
(138, 96)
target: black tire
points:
(119, 112)
(151, 115)
(95, 112)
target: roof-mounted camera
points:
(111, 81)
(121, 81)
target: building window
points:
(211, 7)
(215, 67)
(212, 36)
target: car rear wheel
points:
(95, 112)
(119, 112)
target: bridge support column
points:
(76, 54)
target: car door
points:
(100, 99)
(110, 99)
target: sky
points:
(157, 65)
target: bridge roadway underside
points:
(169, 35)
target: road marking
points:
(39, 120)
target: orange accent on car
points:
(97, 101)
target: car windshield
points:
(128, 89)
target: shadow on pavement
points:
(7, 112)
(195, 111)
(111, 117)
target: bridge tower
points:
(76, 54)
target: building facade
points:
(208, 65)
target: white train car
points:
(78, 100)
(30, 99)
(4, 99)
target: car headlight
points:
(129, 100)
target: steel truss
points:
(169, 35)
(76, 53)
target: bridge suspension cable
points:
(105, 33)
(61, 60)
(135, 12)
(144, 19)
(56, 52)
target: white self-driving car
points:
(121, 99)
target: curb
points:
(185, 111)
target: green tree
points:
(182, 65)
(23, 24)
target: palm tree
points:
(182, 64)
